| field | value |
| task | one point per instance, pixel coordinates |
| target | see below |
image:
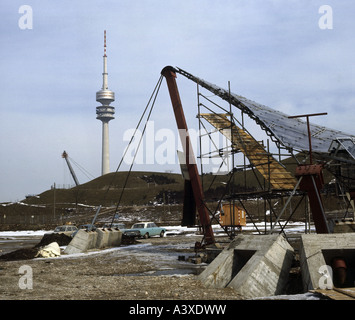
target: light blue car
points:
(148, 229)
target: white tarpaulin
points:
(50, 250)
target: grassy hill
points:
(142, 188)
(144, 191)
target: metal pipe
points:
(339, 271)
(93, 220)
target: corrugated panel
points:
(293, 133)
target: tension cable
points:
(152, 99)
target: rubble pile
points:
(30, 253)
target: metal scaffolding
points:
(275, 183)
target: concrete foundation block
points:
(317, 251)
(81, 242)
(115, 238)
(220, 271)
(253, 265)
(102, 238)
(93, 240)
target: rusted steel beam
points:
(170, 75)
(312, 182)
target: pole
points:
(93, 220)
(54, 201)
(309, 129)
(170, 74)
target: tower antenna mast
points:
(105, 43)
(105, 113)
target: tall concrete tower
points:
(105, 113)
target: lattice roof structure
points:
(292, 133)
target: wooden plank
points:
(347, 291)
(337, 294)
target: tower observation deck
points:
(105, 113)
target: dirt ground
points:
(104, 276)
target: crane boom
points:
(65, 156)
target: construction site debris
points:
(33, 252)
(49, 251)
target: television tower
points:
(105, 113)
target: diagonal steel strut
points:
(170, 74)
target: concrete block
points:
(93, 240)
(115, 238)
(318, 250)
(102, 238)
(253, 265)
(81, 242)
(219, 272)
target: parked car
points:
(90, 226)
(148, 229)
(115, 225)
(123, 229)
(66, 229)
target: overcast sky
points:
(272, 51)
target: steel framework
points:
(290, 134)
